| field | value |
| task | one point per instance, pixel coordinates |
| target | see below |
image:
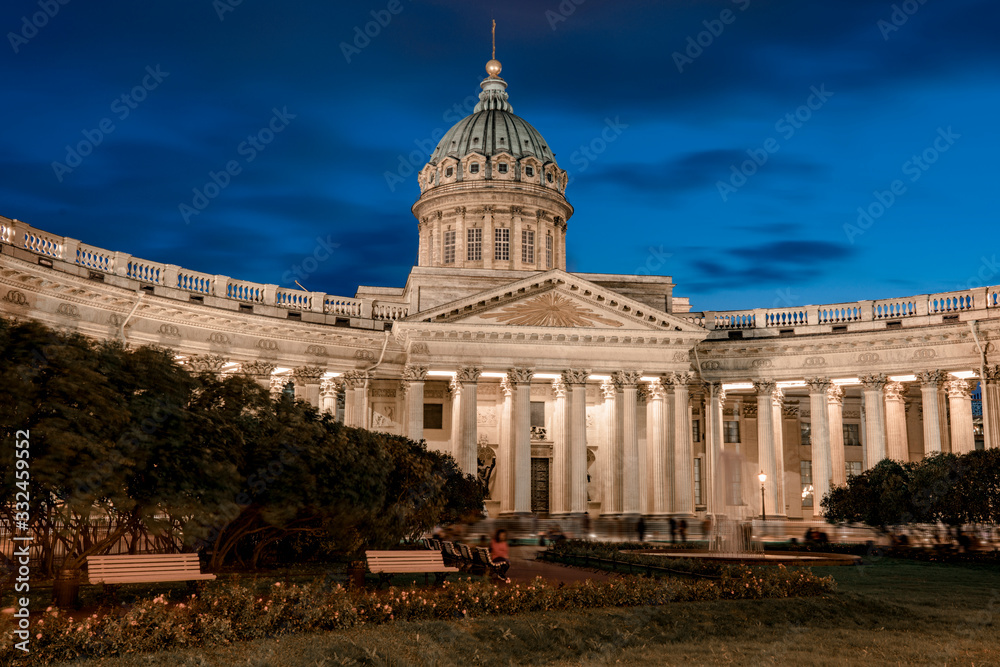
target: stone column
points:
(765, 443)
(626, 382)
(991, 406)
(669, 434)
(468, 440)
(520, 378)
(559, 477)
(505, 453)
(656, 449)
(609, 467)
(898, 447)
(414, 377)
(875, 446)
(930, 381)
(307, 381)
(328, 397)
(259, 371)
(777, 405)
(683, 475)
(960, 402)
(354, 404)
(455, 392)
(712, 485)
(835, 416)
(576, 437)
(820, 436)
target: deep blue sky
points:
(779, 239)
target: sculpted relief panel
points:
(550, 310)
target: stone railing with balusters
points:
(861, 315)
(98, 260)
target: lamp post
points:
(763, 508)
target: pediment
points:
(554, 299)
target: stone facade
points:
(587, 393)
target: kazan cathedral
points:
(570, 394)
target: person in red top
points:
(500, 551)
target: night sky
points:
(828, 106)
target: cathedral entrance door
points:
(540, 485)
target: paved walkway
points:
(524, 569)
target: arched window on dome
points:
(474, 168)
(548, 177)
(502, 168)
(529, 172)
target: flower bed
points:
(226, 613)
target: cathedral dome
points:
(493, 132)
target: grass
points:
(887, 611)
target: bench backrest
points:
(99, 567)
(378, 559)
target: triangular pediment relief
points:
(555, 299)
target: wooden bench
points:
(387, 563)
(145, 568)
(482, 556)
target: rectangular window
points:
(735, 486)
(731, 431)
(806, 473)
(501, 244)
(805, 429)
(853, 467)
(474, 246)
(527, 246)
(548, 251)
(449, 247)
(697, 482)
(538, 414)
(433, 415)
(852, 435)
(502, 167)
(696, 430)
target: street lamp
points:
(763, 508)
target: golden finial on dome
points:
(493, 67)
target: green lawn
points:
(887, 612)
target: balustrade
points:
(193, 281)
(95, 258)
(950, 302)
(839, 314)
(894, 309)
(294, 299)
(338, 305)
(147, 272)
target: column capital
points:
(520, 375)
(607, 389)
(656, 391)
(403, 387)
(894, 391)
(505, 386)
(468, 374)
(559, 388)
(958, 388)
(835, 395)
(206, 363)
(278, 383)
(329, 388)
(818, 385)
(629, 378)
(991, 374)
(764, 387)
(931, 378)
(257, 368)
(414, 373)
(575, 375)
(454, 388)
(874, 381)
(778, 397)
(682, 379)
(308, 374)
(354, 379)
